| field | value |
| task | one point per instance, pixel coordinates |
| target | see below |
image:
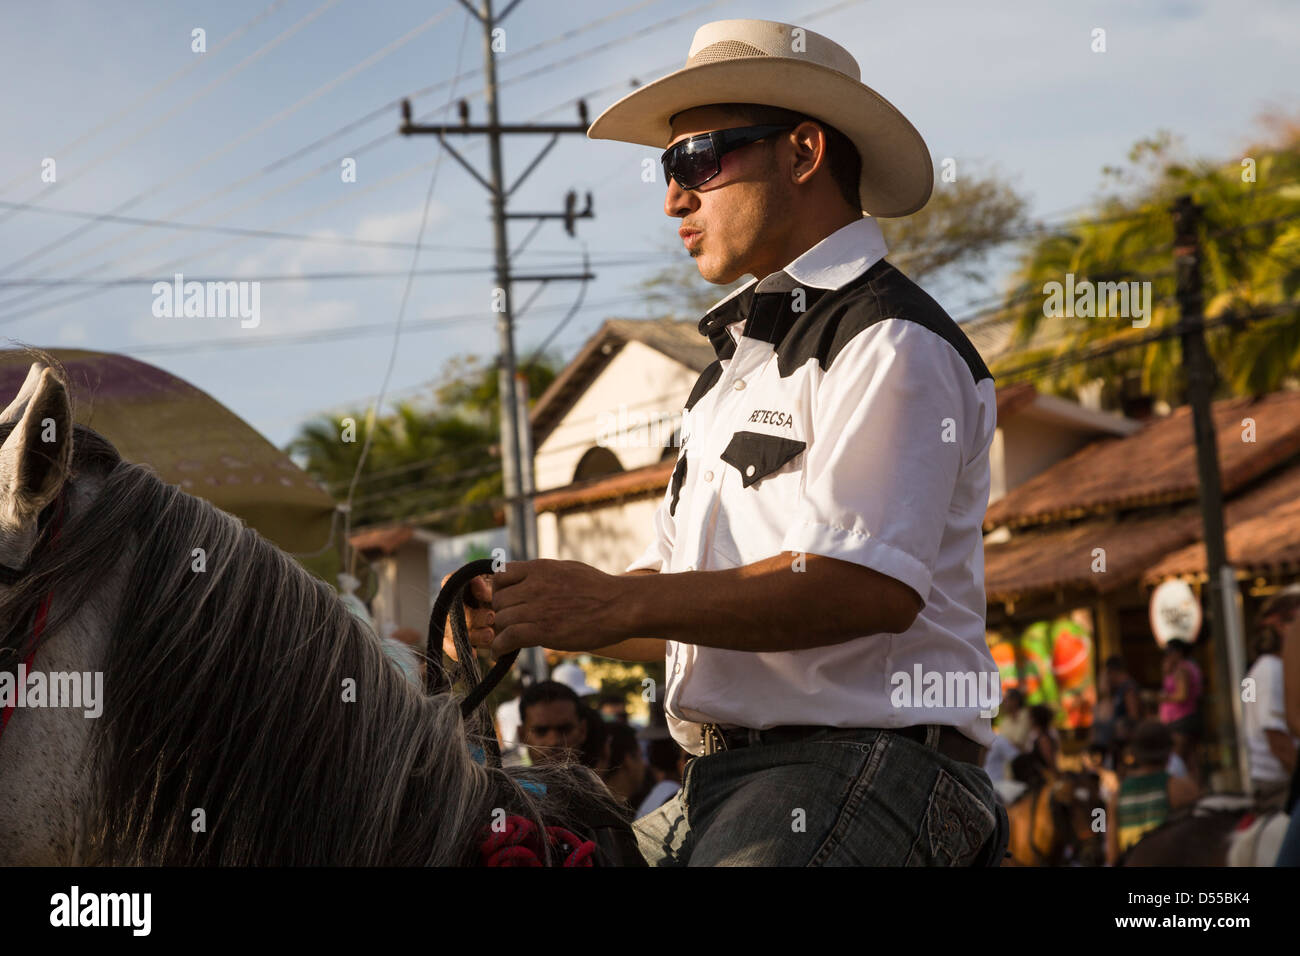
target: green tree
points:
(1251, 262)
(428, 458)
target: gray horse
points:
(248, 717)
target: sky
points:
(252, 136)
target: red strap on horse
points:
(41, 614)
(39, 626)
(518, 844)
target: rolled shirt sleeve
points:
(892, 437)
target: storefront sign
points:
(1175, 612)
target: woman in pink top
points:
(1180, 699)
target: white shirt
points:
(1177, 767)
(660, 793)
(1266, 712)
(508, 721)
(847, 416)
(998, 761)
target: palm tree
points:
(427, 457)
(1251, 264)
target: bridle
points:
(450, 602)
(11, 576)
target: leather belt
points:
(951, 742)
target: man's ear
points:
(807, 133)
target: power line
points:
(336, 334)
(354, 152)
(286, 277)
(270, 233)
(1105, 350)
(659, 25)
(387, 109)
(167, 83)
(167, 117)
(266, 124)
(401, 316)
(386, 137)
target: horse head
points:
(246, 716)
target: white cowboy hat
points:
(575, 678)
(779, 64)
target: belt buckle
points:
(711, 739)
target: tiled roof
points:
(1156, 465)
(675, 338)
(1063, 557)
(382, 540)
(1263, 533)
(640, 481)
(1012, 398)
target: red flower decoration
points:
(520, 845)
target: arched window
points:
(597, 462)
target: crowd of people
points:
(564, 718)
(1145, 745)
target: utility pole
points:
(1221, 579)
(517, 465)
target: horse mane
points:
(250, 718)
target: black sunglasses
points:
(694, 161)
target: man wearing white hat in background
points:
(817, 558)
(575, 678)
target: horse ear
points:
(19, 404)
(34, 460)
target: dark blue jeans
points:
(838, 798)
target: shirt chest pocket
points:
(756, 455)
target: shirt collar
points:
(838, 259)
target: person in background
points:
(1044, 742)
(627, 769)
(1095, 760)
(1148, 794)
(1180, 700)
(595, 750)
(552, 724)
(1119, 709)
(612, 708)
(998, 766)
(405, 658)
(1013, 718)
(414, 640)
(665, 763)
(1271, 747)
(507, 722)
(1289, 628)
(574, 677)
